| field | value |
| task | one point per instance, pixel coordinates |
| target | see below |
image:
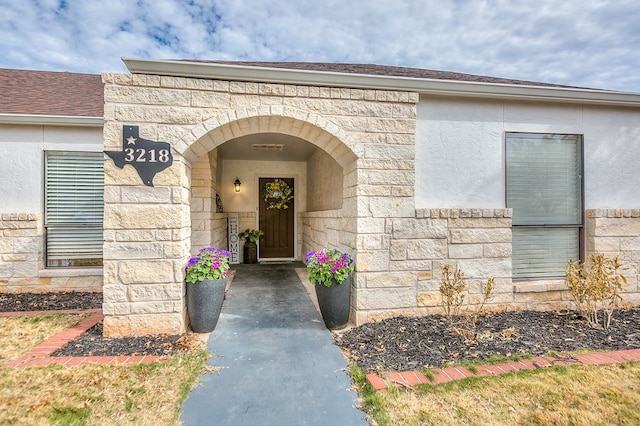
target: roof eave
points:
(433, 87)
(51, 120)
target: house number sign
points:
(147, 157)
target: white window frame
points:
(74, 208)
(545, 236)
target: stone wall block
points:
(210, 99)
(134, 250)
(390, 177)
(113, 308)
(145, 194)
(617, 227)
(155, 292)
(419, 228)
(386, 152)
(398, 250)
(152, 307)
(426, 249)
(604, 244)
(114, 293)
(371, 225)
(429, 299)
(372, 242)
(470, 236)
(129, 216)
(497, 250)
(411, 265)
(141, 324)
(27, 244)
(391, 279)
(6, 244)
(484, 268)
(383, 298)
(371, 261)
(135, 235)
(145, 272)
(13, 257)
(630, 244)
(465, 251)
(25, 269)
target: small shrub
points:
(595, 287)
(452, 289)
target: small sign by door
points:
(232, 219)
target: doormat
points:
(275, 262)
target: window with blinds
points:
(74, 185)
(544, 189)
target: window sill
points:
(69, 272)
(539, 286)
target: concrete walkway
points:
(278, 363)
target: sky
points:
(585, 43)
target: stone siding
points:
(369, 133)
(22, 260)
(404, 258)
(21, 251)
(617, 233)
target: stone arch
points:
(268, 119)
(323, 228)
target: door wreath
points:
(277, 194)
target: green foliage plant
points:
(324, 266)
(251, 235)
(595, 286)
(209, 264)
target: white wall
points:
(22, 160)
(460, 150)
(248, 172)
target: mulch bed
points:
(405, 343)
(22, 302)
(396, 344)
(92, 343)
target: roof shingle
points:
(51, 93)
(383, 70)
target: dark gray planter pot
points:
(335, 303)
(250, 252)
(204, 303)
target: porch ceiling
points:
(242, 148)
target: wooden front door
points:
(278, 240)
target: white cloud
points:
(575, 42)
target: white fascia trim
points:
(432, 87)
(51, 120)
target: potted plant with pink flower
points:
(330, 272)
(206, 278)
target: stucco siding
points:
(460, 150)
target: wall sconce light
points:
(237, 184)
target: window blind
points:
(74, 208)
(544, 189)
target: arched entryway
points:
(259, 148)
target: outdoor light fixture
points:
(237, 184)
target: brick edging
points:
(40, 355)
(448, 374)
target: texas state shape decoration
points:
(147, 157)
